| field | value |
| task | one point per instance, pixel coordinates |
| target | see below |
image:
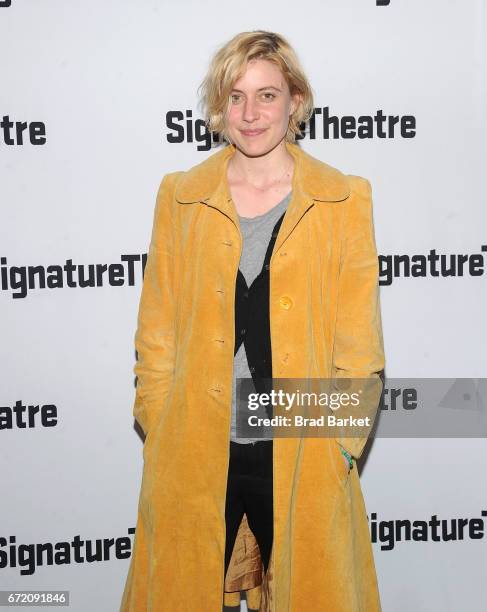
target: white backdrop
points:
(94, 82)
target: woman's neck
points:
(260, 172)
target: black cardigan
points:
(252, 319)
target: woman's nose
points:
(250, 112)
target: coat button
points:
(286, 302)
(246, 294)
(252, 369)
(242, 331)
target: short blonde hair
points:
(229, 63)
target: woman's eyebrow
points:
(260, 89)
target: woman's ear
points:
(295, 102)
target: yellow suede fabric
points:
(325, 264)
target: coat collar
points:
(315, 179)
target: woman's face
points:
(260, 106)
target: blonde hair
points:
(229, 63)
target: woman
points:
(259, 241)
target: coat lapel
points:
(313, 180)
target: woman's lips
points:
(252, 132)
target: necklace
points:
(271, 184)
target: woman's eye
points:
(266, 97)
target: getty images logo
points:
(5, 3)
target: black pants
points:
(249, 490)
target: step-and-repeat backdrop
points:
(97, 102)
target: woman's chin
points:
(255, 148)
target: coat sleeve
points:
(358, 351)
(155, 335)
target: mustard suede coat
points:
(325, 266)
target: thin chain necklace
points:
(272, 184)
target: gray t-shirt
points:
(256, 234)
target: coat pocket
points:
(339, 466)
(147, 445)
